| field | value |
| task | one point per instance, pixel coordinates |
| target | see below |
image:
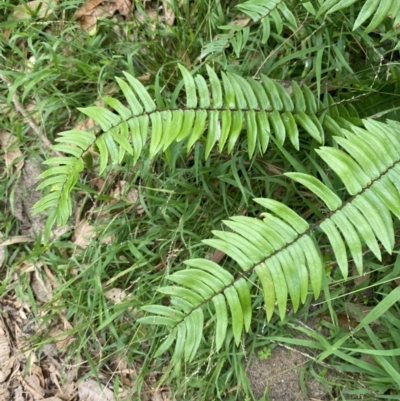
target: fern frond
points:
(217, 110)
(376, 10)
(281, 249)
(265, 12)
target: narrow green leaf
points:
(124, 112)
(298, 97)
(236, 313)
(278, 127)
(252, 131)
(363, 227)
(268, 286)
(388, 193)
(239, 95)
(190, 87)
(273, 237)
(263, 130)
(229, 92)
(367, 207)
(163, 311)
(272, 93)
(103, 151)
(338, 246)
(236, 254)
(248, 230)
(221, 315)
(352, 176)
(166, 344)
(216, 89)
(291, 273)
(198, 319)
(281, 290)
(186, 279)
(131, 98)
(314, 263)
(285, 213)
(326, 6)
(136, 137)
(383, 306)
(226, 121)
(174, 128)
(331, 200)
(198, 127)
(202, 89)
(259, 91)
(142, 93)
(380, 14)
(183, 293)
(308, 125)
(247, 247)
(350, 235)
(236, 128)
(180, 343)
(291, 128)
(248, 92)
(213, 268)
(213, 131)
(156, 320)
(79, 138)
(362, 153)
(187, 124)
(311, 101)
(156, 133)
(72, 150)
(242, 289)
(287, 103)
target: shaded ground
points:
(279, 377)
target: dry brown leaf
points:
(17, 239)
(115, 294)
(124, 7)
(8, 143)
(88, 23)
(84, 232)
(41, 287)
(40, 8)
(169, 15)
(88, 8)
(90, 390)
(32, 386)
(144, 78)
(132, 194)
(241, 22)
(5, 352)
(92, 10)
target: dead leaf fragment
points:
(40, 8)
(9, 144)
(84, 232)
(90, 390)
(169, 15)
(5, 351)
(41, 287)
(92, 10)
(115, 294)
(124, 7)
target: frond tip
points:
(281, 249)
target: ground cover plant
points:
(190, 186)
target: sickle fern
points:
(281, 248)
(216, 112)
